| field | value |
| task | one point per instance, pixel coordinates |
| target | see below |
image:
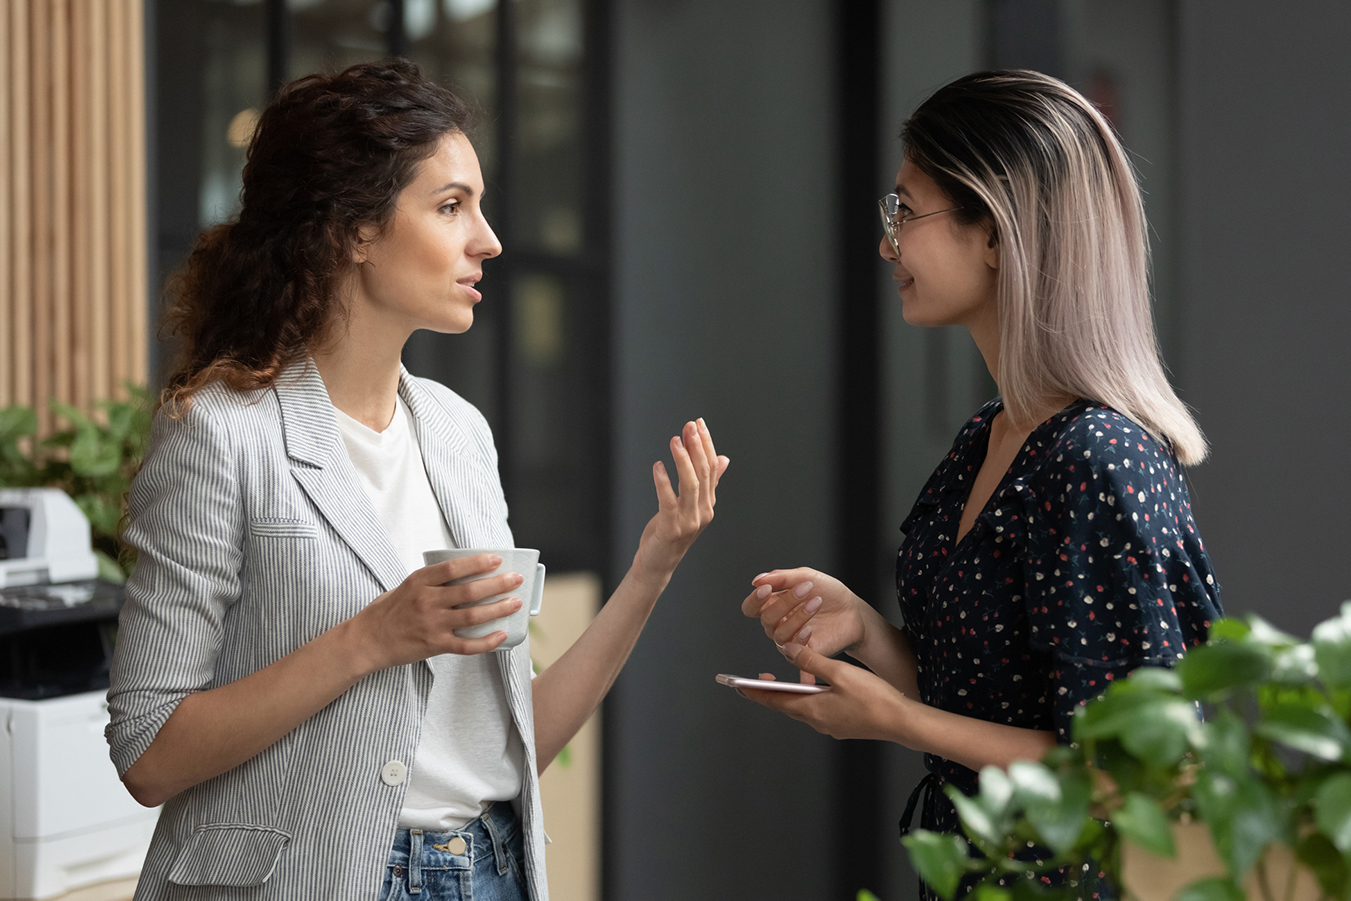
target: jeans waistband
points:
(457, 849)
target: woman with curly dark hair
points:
(289, 682)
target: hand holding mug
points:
(420, 618)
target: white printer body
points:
(66, 820)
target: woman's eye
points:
(452, 207)
(902, 211)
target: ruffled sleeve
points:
(1115, 573)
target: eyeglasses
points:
(890, 208)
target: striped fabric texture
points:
(255, 537)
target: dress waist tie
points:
(928, 785)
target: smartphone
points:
(798, 687)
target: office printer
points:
(65, 819)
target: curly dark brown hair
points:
(330, 155)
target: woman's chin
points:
(452, 325)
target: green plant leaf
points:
(1229, 629)
(1156, 679)
(1296, 665)
(1213, 669)
(1224, 745)
(939, 858)
(1264, 633)
(1143, 823)
(996, 790)
(1332, 649)
(1061, 822)
(991, 893)
(1243, 814)
(72, 415)
(865, 895)
(1327, 866)
(1034, 783)
(978, 821)
(1314, 732)
(1163, 731)
(17, 421)
(1215, 889)
(1332, 810)
(1114, 714)
(103, 512)
(92, 454)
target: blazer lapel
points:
(468, 488)
(321, 466)
(465, 488)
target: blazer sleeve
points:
(186, 522)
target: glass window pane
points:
(455, 42)
(547, 199)
(211, 64)
(330, 35)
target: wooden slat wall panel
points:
(73, 243)
(6, 203)
(20, 176)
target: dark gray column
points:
(724, 307)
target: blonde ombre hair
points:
(1029, 157)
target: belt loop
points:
(414, 861)
(499, 846)
(926, 785)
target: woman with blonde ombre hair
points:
(1053, 550)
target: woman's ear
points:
(992, 249)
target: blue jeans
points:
(491, 866)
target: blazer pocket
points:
(234, 854)
(283, 528)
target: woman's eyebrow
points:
(901, 191)
(455, 186)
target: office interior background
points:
(686, 193)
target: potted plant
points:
(93, 460)
(1252, 802)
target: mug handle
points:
(537, 597)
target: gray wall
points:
(1265, 296)
(724, 301)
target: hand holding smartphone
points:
(770, 685)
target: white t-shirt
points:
(470, 753)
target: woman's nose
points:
(486, 244)
(887, 251)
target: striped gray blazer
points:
(255, 537)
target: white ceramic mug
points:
(514, 560)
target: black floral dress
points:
(1084, 564)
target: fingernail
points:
(801, 590)
(516, 605)
(495, 560)
(805, 634)
(758, 578)
(702, 424)
(813, 605)
(763, 592)
(661, 467)
(790, 649)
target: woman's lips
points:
(468, 285)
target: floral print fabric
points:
(1084, 564)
